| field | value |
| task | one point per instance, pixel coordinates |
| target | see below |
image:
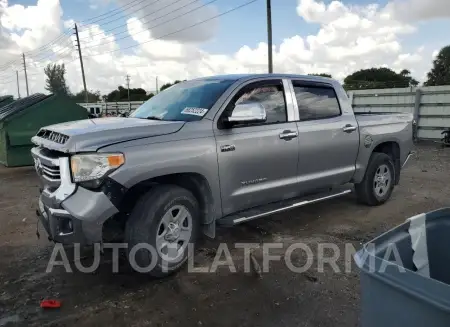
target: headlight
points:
(88, 167)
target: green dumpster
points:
(6, 99)
(21, 120)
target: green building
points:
(20, 121)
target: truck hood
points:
(91, 134)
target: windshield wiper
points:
(153, 118)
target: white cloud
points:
(31, 26)
(434, 54)
(414, 10)
(349, 38)
(162, 18)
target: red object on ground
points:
(50, 304)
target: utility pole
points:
(25, 70)
(269, 35)
(157, 85)
(128, 86)
(18, 88)
(81, 62)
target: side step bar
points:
(273, 208)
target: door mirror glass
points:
(252, 112)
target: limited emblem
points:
(368, 141)
(227, 148)
(253, 181)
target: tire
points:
(367, 191)
(160, 207)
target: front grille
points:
(51, 172)
(47, 166)
(53, 136)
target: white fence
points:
(111, 107)
(430, 106)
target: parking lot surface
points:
(280, 298)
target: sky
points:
(183, 39)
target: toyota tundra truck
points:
(218, 150)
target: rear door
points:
(258, 162)
(328, 136)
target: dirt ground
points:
(280, 298)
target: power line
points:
(116, 19)
(157, 25)
(180, 30)
(12, 62)
(67, 52)
(47, 45)
(36, 51)
(17, 61)
(114, 28)
(68, 33)
(88, 20)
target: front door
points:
(258, 162)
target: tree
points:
(56, 80)
(379, 78)
(440, 73)
(121, 94)
(323, 75)
(167, 85)
(92, 96)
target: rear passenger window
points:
(316, 102)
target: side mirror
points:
(252, 112)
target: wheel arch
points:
(392, 149)
(196, 183)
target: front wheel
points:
(379, 180)
(160, 228)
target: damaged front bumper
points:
(69, 213)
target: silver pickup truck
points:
(215, 150)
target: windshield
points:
(186, 101)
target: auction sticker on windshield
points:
(194, 111)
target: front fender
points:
(147, 161)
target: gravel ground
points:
(280, 298)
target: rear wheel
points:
(160, 228)
(379, 180)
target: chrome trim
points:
(37, 153)
(51, 180)
(407, 158)
(51, 172)
(248, 112)
(349, 128)
(59, 212)
(291, 106)
(292, 206)
(288, 135)
(66, 187)
(39, 141)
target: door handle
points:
(288, 135)
(349, 128)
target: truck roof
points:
(252, 76)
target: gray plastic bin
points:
(415, 290)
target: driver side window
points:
(269, 94)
